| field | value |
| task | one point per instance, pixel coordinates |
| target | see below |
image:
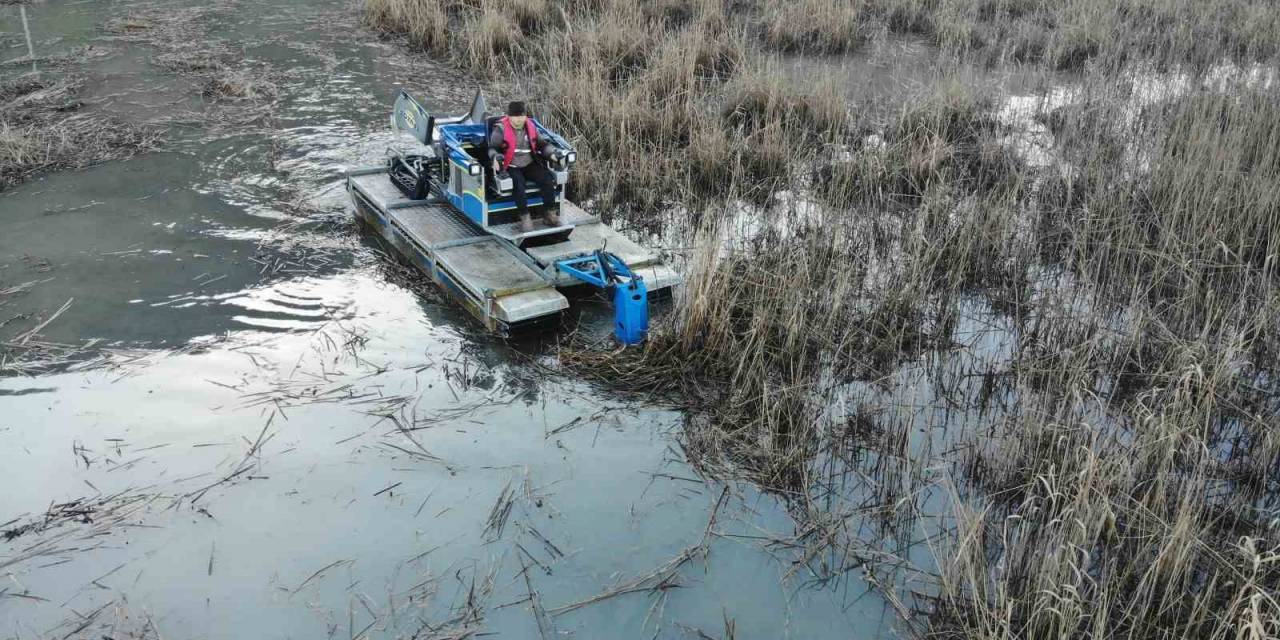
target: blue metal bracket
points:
(630, 296)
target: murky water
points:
(287, 444)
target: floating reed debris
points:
(83, 510)
(54, 532)
(184, 47)
(660, 579)
(41, 130)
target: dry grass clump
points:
(764, 98)
(425, 24)
(1061, 35)
(1068, 35)
(754, 351)
(41, 130)
(492, 36)
(1128, 488)
(945, 140)
(673, 14)
(1142, 480)
(931, 141)
(634, 100)
(1235, 139)
(1181, 192)
(244, 84)
(695, 59)
(531, 16)
(813, 26)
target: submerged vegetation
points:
(1039, 335)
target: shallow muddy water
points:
(281, 442)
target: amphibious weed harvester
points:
(446, 211)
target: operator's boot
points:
(552, 216)
(526, 222)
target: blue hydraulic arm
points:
(630, 297)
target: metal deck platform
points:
(590, 234)
(571, 216)
(491, 278)
(497, 280)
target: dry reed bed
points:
(1059, 34)
(1119, 475)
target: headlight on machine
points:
(473, 168)
(571, 157)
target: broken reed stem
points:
(660, 578)
(26, 30)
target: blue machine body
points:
(458, 174)
(630, 296)
(465, 186)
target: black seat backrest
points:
(489, 124)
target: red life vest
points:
(509, 136)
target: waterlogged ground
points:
(258, 427)
(269, 435)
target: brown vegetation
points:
(41, 129)
(1061, 375)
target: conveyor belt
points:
(434, 225)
